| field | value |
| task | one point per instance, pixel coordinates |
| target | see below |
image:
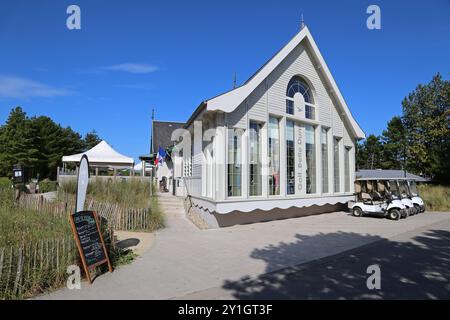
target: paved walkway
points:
(413, 265)
(184, 259)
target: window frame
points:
(310, 104)
(260, 146)
(237, 133)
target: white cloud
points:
(22, 88)
(138, 68)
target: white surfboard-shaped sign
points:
(82, 183)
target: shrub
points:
(44, 242)
(132, 193)
(47, 186)
(436, 198)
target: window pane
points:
(347, 169)
(289, 106)
(337, 182)
(324, 148)
(255, 185)
(274, 156)
(298, 85)
(290, 158)
(310, 159)
(309, 112)
(234, 163)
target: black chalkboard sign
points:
(89, 240)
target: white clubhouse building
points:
(281, 145)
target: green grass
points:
(122, 257)
(129, 194)
(132, 193)
(47, 186)
(436, 198)
(39, 234)
(157, 216)
(5, 183)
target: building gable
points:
(268, 87)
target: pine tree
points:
(426, 118)
(91, 139)
(18, 144)
(394, 144)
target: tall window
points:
(298, 87)
(290, 158)
(347, 168)
(255, 185)
(324, 150)
(337, 181)
(274, 156)
(234, 163)
(310, 159)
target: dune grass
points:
(436, 198)
(22, 225)
(128, 194)
(45, 244)
(131, 193)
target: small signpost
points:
(86, 227)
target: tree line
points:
(417, 141)
(38, 144)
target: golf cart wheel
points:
(408, 213)
(417, 208)
(394, 214)
(357, 212)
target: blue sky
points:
(132, 56)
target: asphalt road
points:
(413, 265)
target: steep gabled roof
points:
(162, 133)
(230, 100)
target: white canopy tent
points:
(102, 155)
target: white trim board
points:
(225, 207)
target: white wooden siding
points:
(257, 103)
(263, 101)
(238, 118)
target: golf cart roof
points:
(387, 175)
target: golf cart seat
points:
(376, 197)
(365, 197)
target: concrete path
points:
(138, 242)
(184, 260)
(413, 265)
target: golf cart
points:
(399, 190)
(415, 198)
(372, 197)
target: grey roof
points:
(162, 132)
(386, 175)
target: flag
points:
(160, 156)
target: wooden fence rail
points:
(119, 218)
(32, 267)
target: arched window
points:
(299, 95)
(298, 85)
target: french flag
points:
(160, 156)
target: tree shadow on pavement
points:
(417, 269)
